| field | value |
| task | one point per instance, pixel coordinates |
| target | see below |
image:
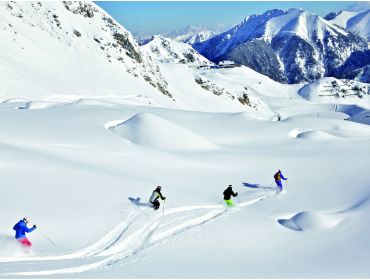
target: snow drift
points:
(306, 220)
(158, 133)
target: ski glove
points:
(35, 226)
(164, 198)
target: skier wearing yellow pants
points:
(227, 196)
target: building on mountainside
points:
(226, 64)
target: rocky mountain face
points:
(288, 46)
(69, 34)
(356, 67)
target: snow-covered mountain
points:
(191, 34)
(357, 22)
(289, 46)
(200, 37)
(168, 50)
(71, 48)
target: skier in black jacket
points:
(154, 198)
(227, 196)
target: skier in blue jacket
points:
(20, 232)
(278, 176)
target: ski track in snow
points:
(120, 243)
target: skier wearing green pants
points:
(227, 196)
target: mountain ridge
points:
(306, 46)
(69, 35)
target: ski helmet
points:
(25, 220)
(159, 188)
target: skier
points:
(278, 176)
(154, 198)
(227, 195)
(20, 232)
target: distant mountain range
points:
(291, 46)
(192, 34)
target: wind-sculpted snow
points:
(316, 135)
(86, 184)
(158, 133)
(304, 221)
(35, 105)
(333, 133)
(141, 230)
(316, 221)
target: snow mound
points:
(317, 135)
(14, 100)
(114, 101)
(36, 105)
(150, 130)
(305, 220)
(11, 248)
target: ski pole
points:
(44, 235)
(164, 201)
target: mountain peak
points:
(167, 50)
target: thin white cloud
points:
(358, 6)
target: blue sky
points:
(152, 17)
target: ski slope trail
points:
(142, 229)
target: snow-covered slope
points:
(71, 48)
(170, 51)
(357, 22)
(299, 45)
(57, 52)
(340, 18)
(83, 173)
(331, 90)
